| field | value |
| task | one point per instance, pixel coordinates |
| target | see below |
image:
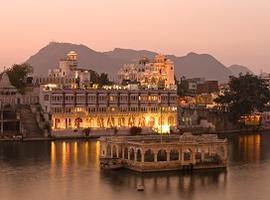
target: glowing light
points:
(163, 129)
(53, 154)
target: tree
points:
(103, 79)
(245, 94)
(87, 132)
(94, 77)
(17, 75)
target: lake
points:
(69, 170)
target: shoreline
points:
(219, 133)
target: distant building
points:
(266, 77)
(67, 73)
(207, 87)
(194, 86)
(156, 74)
(9, 94)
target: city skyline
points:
(233, 32)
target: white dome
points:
(5, 83)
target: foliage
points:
(245, 94)
(94, 77)
(87, 131)
(47, 126)
(102, 79)
(135, 130)
(17, 75)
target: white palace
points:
(156, 74)
(73, 109)
(99, 109)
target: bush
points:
(135, 130)
(87, 131)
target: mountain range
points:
(191, 65)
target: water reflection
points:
(250, 147)
(70, 153)
(166, 182)
(70, 170)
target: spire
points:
(5, 83)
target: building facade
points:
(156, 74)
(172, 152)
(67, 73)
(77, 109)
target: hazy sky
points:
(234, 31)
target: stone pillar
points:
(168, 155)
(155, 157)
(111, 151)
(182, 156)
(193, 156)
(135, 155)
(128, 155)
(117, 152)
(142, 156)
(2, 122)
(202, 155)
(225, 152)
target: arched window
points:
(174, 154)
(139, 155)
(151, 122)
(141, 122)
(131, 154)
(126, 153)
(108, 150)
(187, 154)
(220, 151)
(171, 121)
(120, 152)
(57, 122)
(149, 156)
(78, 122)
(114, 152)
(198, 154)
(162, 155)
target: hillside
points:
(49, 56)
(237, 69)
(191, 65)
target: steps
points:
(29, 123)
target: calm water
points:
(70, 171)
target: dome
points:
(72, 55)
(5, 82)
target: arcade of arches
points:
(190, 154)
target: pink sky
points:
(234, 31)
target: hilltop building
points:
(67, 73)
(156, 74)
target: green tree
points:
(94, 77)
(246, 94)
(17, 75)
(87, 132)
(103, 79)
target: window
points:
(46, 98)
